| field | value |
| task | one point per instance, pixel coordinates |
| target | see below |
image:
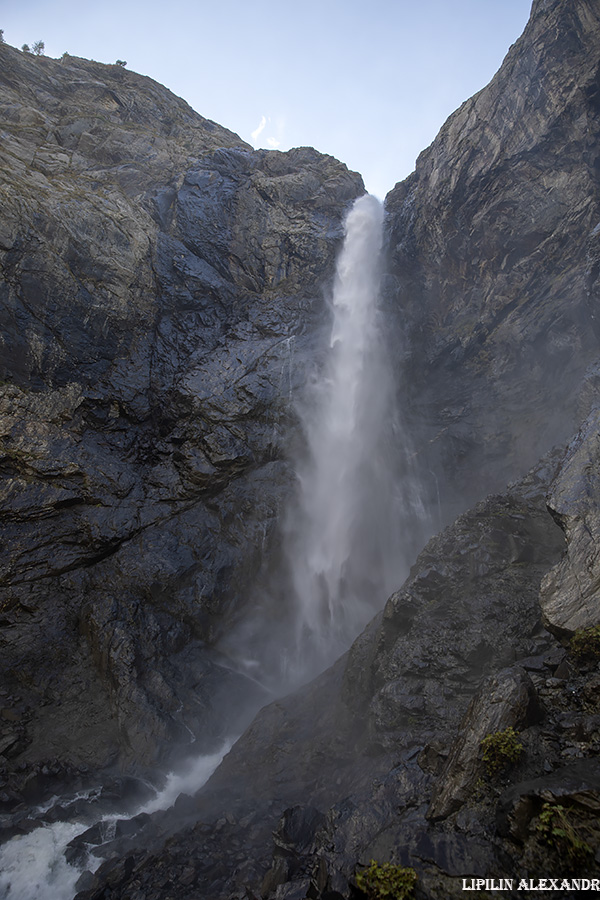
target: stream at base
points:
(33, 866)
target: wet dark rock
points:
(10, 744)
(162, 297)
(570, 595)
(578, 784)
(85, 882)
(296, 830)
(432, 757)
(294, 839)
(505, 700)
(454, 854)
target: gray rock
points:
(577, 783)
(570, 592)
(493, 246)
(161, 300)
(505, 700)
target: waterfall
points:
(341, 532)
(356, 519)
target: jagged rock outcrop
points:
(506, 700)
(157, 278)
(145, 467)
(494, 262)
(570, 596)
(381, 758)
(494, 256)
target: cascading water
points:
(33, 865)
(342, 534)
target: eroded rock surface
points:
(571, 591)
(381, 758)
(161, 299)
(494, 260)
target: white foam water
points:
(33, 866)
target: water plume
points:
(342, 531)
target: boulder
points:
(505, 700)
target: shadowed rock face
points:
(380, 757)
(570, 596)
(494, 276)
(151, 306)
(494, 259)
(158, 277)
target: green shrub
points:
(555, 829)
(387, 882)
(585, 643)
(501, 750)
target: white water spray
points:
(186, 780)
(342, 539)
(33, 865)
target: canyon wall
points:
(163, 295)
(494, 259)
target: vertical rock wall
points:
(162, 293)
(494, 261)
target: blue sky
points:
(368, 82)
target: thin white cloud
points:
(254, 134)
(272, 140)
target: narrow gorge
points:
(300, 481)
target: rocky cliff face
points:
(380, 758)
(158, 276)
(143, 418)
(494, 261)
